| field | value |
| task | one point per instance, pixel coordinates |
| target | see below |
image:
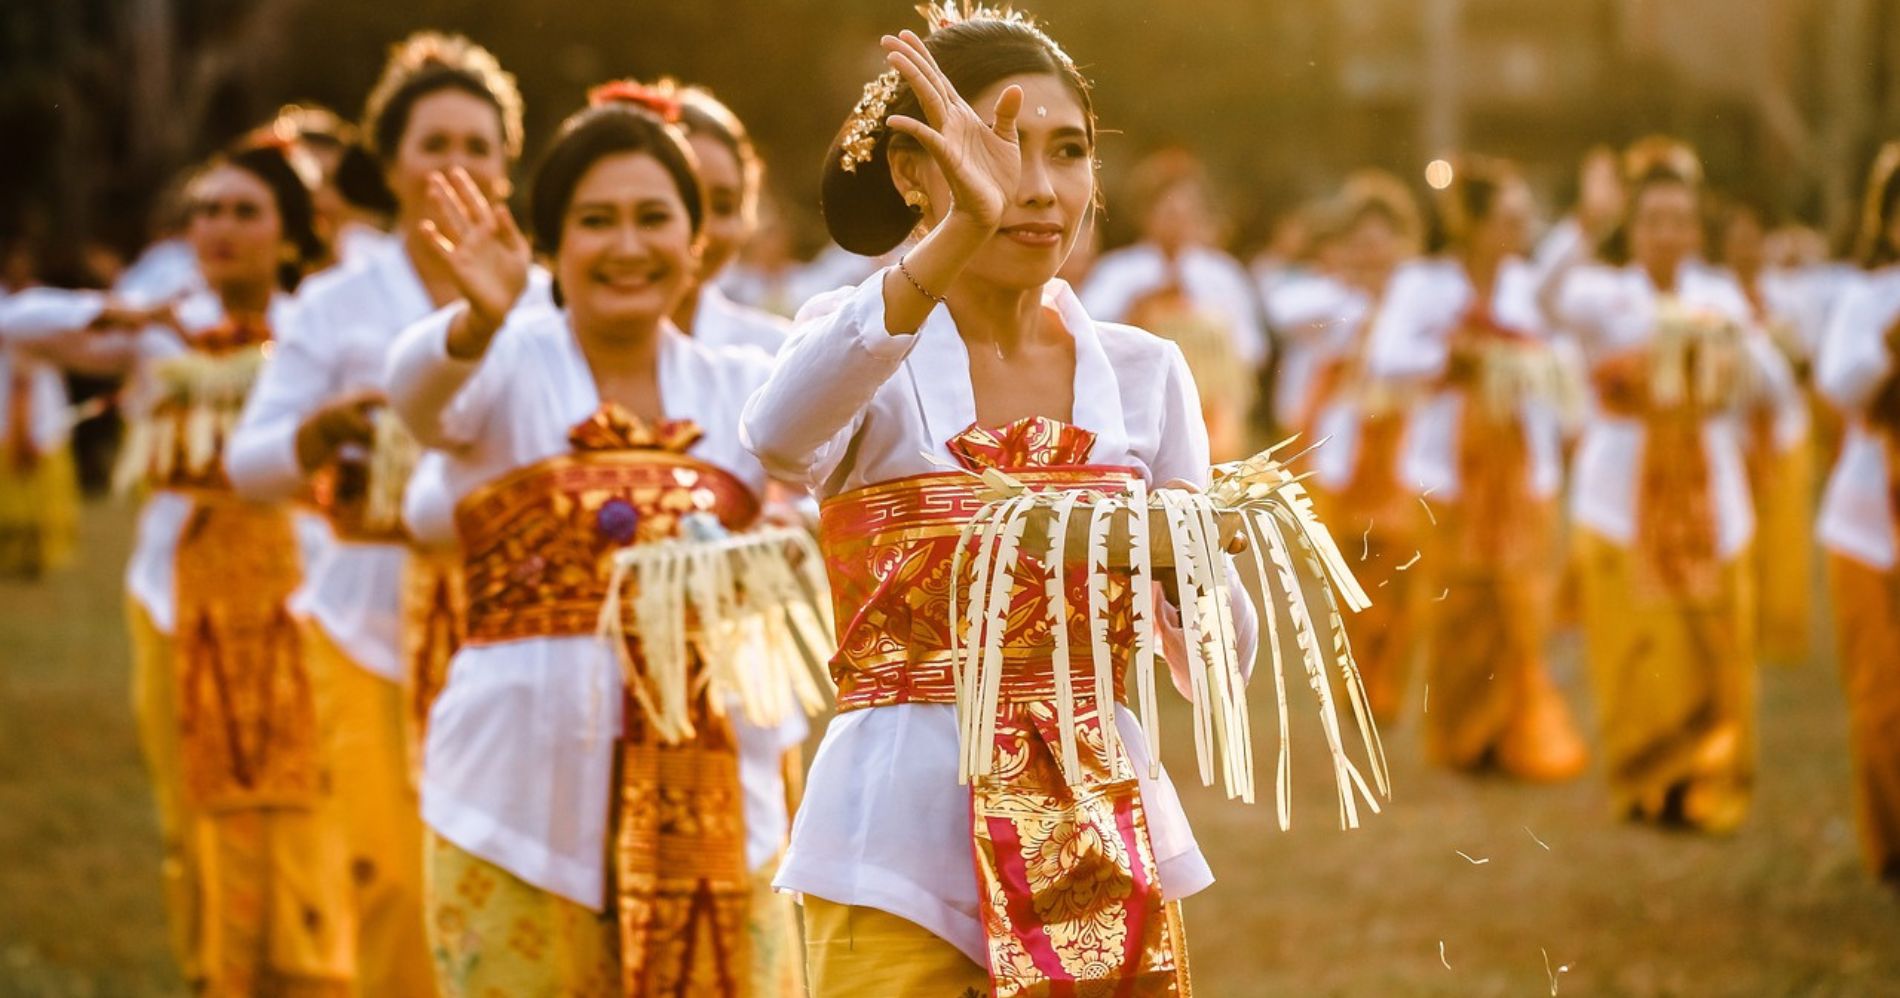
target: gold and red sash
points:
(1067, 876)
(538, 547)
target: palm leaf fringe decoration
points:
(190, 406)
(754, 607)
(1290, 556)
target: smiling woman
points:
(569, 433)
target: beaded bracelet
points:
(908, 276)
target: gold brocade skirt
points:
(39, 515)
(1490, 699)
(1867, 604)
(1676, 688)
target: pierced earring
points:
(917, 199)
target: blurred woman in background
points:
(1484, 440)
(316, 421)
(1662, 503)
(1859, 371)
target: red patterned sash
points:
(1065, 866)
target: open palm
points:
(981, 161)
(486, 253)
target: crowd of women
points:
(386, 441)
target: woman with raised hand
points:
(1484, 440)
(1858, 370)
(316, 420)
(967, 354)
(556, 797)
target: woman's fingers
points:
(510, 232)
(926, 136)
(473, 200)
(928, 63)
(445, 208)
(1008, 106)
(435, 240)
(928, 98)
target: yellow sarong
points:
(39, 514)
(1676, 687)
(1784, 551)
(1867, 604)
(1489, 698)
(362, 720)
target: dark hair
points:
(864, 212)
(360, 181)
(703, 114)
(591, 135)
(1476, 184)
(271, 165)
(1876, 246)
(428, 62)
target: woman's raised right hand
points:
(982, 161)
(486, 253)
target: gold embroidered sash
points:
(538, 549)
(1067, 876)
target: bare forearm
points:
(934, 263)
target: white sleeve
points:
(445, 400)
(1854, 358)
(1250, 333)
(36, 313)
(1400, 345)
(1182, 450)
(296, 380)
(800, 422)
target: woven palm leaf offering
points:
(752, 608)
(193, 403)
(1292, 571)
(1699, 360)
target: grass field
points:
(1551, 881)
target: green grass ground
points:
(1782, 908)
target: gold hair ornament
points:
(867, 116)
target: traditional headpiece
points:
(637, 94)
(867, 117)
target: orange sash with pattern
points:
(538, 547)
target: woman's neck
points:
(618, 353)
(687, 313)
(1663, 275)
(246, 297)
(1005, 320)
(1481, 268)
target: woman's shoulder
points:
(1134, 350)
